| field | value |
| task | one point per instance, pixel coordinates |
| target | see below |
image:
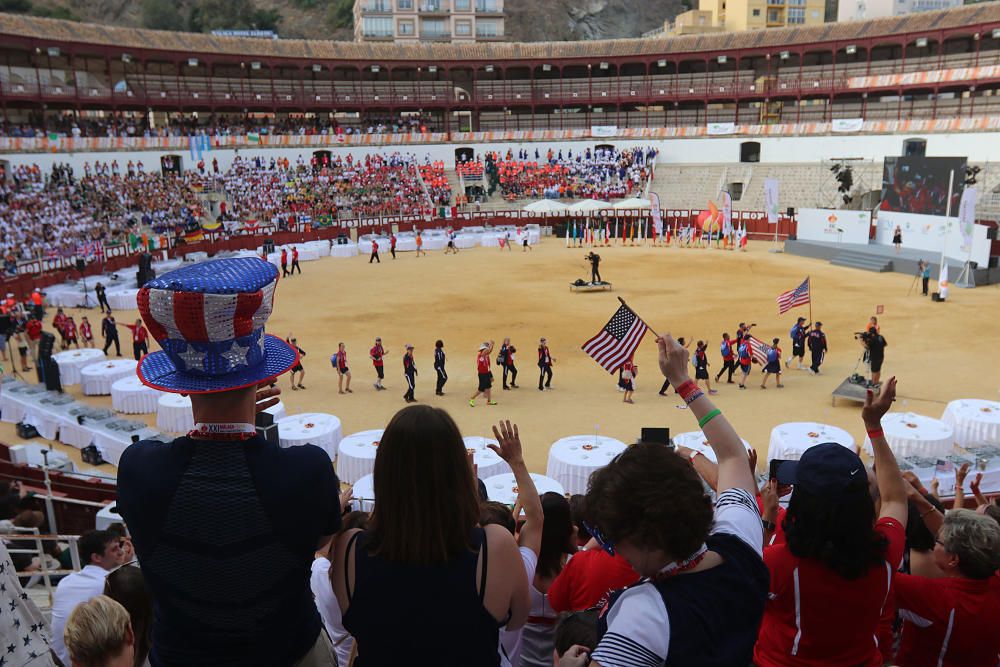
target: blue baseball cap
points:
(826, 470)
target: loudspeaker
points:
(92, 455)
(26, 431)
(790, 212)
(269, 433)
(45, 345)
(268, 245)
(80, 264)
(50, 370)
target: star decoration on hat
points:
(192, 358)
(236, 355)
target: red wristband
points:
(877, 433)
(687, 388)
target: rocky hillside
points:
(527, 20)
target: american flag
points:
(758, 350)
(617, 341)
(796, 297)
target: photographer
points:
(595, 271)
(874, 344)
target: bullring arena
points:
(850, 166)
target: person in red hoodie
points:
(949, 621)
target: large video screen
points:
(917, 184)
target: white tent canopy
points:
(546, 206)
(589, 205)
(634, 202)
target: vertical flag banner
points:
(771, 200)
(967, 216)
(657, 217)
(727, 213)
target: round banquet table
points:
(71, 362)
(97, 379)
(173, 413)
(503, 488)
(488, 462)
(321, 247)
(976, 422)
(311, 428)
(344, 250)
(132, 397)
(363, 491)
(790, 440)
(467, 240)
(277, 411)
(123, 299)
(696, 440)
(910, 434)
(574, 458)
(356, 455)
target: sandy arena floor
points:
(939, 352)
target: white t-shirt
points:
(510, 640)
(329, 609)
(638, 625)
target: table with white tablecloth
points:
(48, 412)
(173, 413)
(572, 459)
(365, 245)
(465, 240)
(15, 396)
(363, 492)
(910, 434)
(311, 428)
(72, 295)
(71, 362)
(123, 299)
(503, 488)
(434, 241)
(696, 440)
(112, 437)
(405, 242)
(79, 431)
(491, 239)
(277, 411)
(790, 440)
(130, 396)
(97, 379)
(976, 422)
(196, 256)
(321, 247)
(344, 250)
(356, 455)
(488, 462)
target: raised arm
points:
(728, 448)
(528, 499)
(891, 486)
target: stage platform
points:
(880, 258)
(850, 391)
(591, 287)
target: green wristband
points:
(709, 417)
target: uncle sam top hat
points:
(209, 319)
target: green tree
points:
(340, 14)
(161, 15)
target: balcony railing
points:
(377, 8)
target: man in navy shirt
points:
(817, 347)
(224, 522)
(798, 335)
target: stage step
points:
(859, 260)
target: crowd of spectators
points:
(213, 125)
(64, 214)
(591, 174)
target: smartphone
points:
(655, 436)
(775, 464)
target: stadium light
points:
(432, 69)
(126, 58)
(546, 67)
(375, 69)
(661, 62)
(722, 60)
(317, 68)
(53, 51)
(784, 55)
(921, 42)
(192, 62)
(489, 68)
(851, 50)
(604, 65)
(996, 33)
(255, 64)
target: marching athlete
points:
(410, 373)
(485, 376)
(376, 354)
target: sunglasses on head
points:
(602, 541)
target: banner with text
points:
(720, 128)
(833, 225)
(604, 130)
(771, 200)
(847, 124)
(967, 216)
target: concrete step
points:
(861, 261)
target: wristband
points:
(691, 398)
(686, 388)
(876, 433)
(769, 526)
(709, 417)
(694, 453)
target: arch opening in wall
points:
(914, 147)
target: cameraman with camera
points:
(595, 271)
(874, 344)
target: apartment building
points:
(733, 15)
(860, 10)
(428, 20)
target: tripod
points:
(914, 283)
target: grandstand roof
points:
(52, 31)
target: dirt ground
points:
(939, 352)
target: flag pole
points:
(810, 299)
(637, 315)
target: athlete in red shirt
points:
(587, 577)
(629, 371)
(343, 370)
(485, 376)
(139, 336)
(295, 261)
(69, 327)
(86, 332)
(377, 353)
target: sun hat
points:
(209, 321)
(826, 470)
(409, 347)
(484, 346)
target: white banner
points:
(721, 128)
(967, 216)
(604, 130)
(727, 213)
(833, 226)
(655, 212)
(847, 124)
(932, 233)
(771, 200)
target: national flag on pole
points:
(944, 467)
(758, 350)
(617, 341)
(796, 297)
